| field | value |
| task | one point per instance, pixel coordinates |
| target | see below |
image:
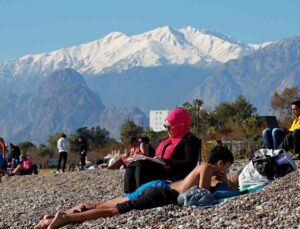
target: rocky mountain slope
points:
(64, 102)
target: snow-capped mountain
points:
(159, 69)
(117, 52)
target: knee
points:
(266, 132)
(276, 132)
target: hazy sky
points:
(37, 26)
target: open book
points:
(142, 157)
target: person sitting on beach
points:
(15, 153)
(25, 167)
(3, 148)
(281, 138)
(291, 140)
(153, 194)
(179, 152)
(146, 148)
(3, 165)
(135, 150)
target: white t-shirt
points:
(62, 145)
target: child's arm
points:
(206, 174)
(222, 177)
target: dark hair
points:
(296, 102)
(219, 142)
(63, 135)
(220, 153)
(133, 139)
(145, 139)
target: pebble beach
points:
(25, 199)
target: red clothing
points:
(180, 121)
(26, 163)
(134, 150)
(3, 149)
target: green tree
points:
(95, 136)
(74, 143)
(43, 151)
(26, 146)
(52, 142)
(187, 106)
(243, 108)
(237, 111)
(155, 137)
(280, 103)
(130, 129)
(195, 110)
(98, 137)
(251, 126)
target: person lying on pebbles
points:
(153, 194)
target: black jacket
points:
(184, 158)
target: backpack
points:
(273, 163)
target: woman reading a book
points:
(175, 157)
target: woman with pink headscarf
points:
(180, 152)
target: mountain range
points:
(159, 69)
(63, 102)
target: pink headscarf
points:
(180, 121)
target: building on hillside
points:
(157, 119)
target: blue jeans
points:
(273, 138)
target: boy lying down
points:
(153, 194)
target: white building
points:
(157, 119)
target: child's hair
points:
(220, 153)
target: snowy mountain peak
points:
(113, 36)
(164, 35)
(118, 52)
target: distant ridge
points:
(120, 77)
(118, 52)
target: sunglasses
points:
(169, 127)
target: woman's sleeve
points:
(191, 148)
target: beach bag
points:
(250, 176)
(266, 165)
(273, 163)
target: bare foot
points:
(58, 221)
(45, 222)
